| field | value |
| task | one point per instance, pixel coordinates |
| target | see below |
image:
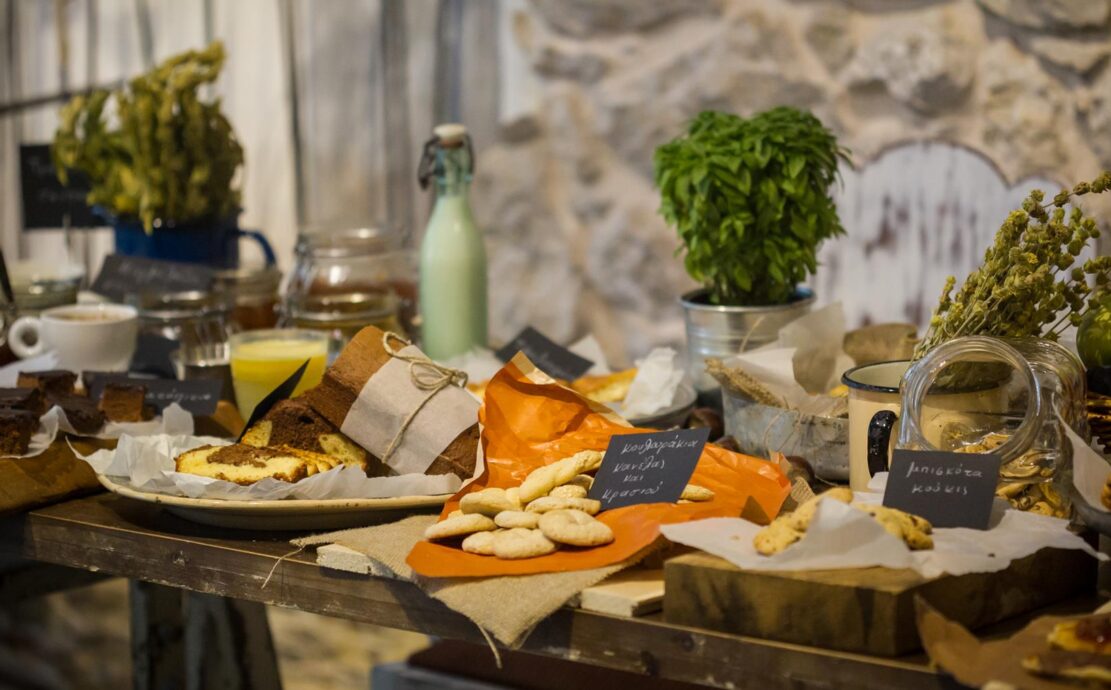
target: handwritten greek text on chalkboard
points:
(948, 489)
(554, 360)
(198, 397)
(121, 276)
(647, 468)
(47, 203)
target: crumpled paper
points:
(804, 363)
(842, 537)
(146, 463)
(174, 420)
(1089, 470)
(655, 388)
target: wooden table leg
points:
(228, 645)
(157, 642)
(192, 641)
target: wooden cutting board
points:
(867, 610)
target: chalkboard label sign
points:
(554, 360)
(46, 201)
(948, 489)
(647, 468)
(198, 397)
(121, 276)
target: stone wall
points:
(566, 194)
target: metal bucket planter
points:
(720, 331)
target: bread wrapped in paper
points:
(370, 393)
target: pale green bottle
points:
(453, 254)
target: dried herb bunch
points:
(1027, 285)
(171, 157)
(750, 200)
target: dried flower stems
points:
(1027, 285)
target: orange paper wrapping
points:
(529, 420)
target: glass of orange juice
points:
(262, 360)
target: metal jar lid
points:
(347, 243)
(344, 307)
(175, 307)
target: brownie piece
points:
(16, 427)
(125, 402)
(81, 412)
(51, 382)
(29, 399)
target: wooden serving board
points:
(51, 476)
(868, 610)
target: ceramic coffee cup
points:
(86, 337)
(874, 404)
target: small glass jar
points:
(341, 316)
(196, 319)
(1007, 397)
(254, 293)
(357, 263)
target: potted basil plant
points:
(164, 169)
(750, 199)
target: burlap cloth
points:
(506, 607)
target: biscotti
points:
(368, 394)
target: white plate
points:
(287, 514)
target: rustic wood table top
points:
(115, 536)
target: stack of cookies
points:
(548, 511)
(790, 527)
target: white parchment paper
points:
(174, 420)
(1089, 470)
(146, 463)
(656, 383)
(842, 537)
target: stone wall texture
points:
(566, 191)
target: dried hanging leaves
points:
(172, 156)
(1027, 285)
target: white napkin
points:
(655, 385)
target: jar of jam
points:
(254, 296)
(355, 267)
(343, 315)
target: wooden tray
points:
(869, 610)
(54, 475)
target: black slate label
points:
(554, 360)
(648, 468)
(198, 397)
(46, 201)
(283, 391)
(948, 489)
(121, 276)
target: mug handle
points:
(257, 236)
(879, 440)
(21, 327)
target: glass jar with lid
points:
(353, 267)
(343, 315)
(254, 295)
(1007, 397)
(197, 321)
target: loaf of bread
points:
(244, 464)
(346, 380)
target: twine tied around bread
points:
(426, 375)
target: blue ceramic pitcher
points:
(214, 243)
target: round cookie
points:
(575, 528)
(488, 502)
(509, 519)
(459, 527)
(480, 543)
(549, 503)
(568, 491)
(517, 543)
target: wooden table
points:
(111, 535)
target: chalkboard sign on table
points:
(647, 468)
(948, 489)
(121, 276)
(46, 201)
(554, 360)
(198, 397)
